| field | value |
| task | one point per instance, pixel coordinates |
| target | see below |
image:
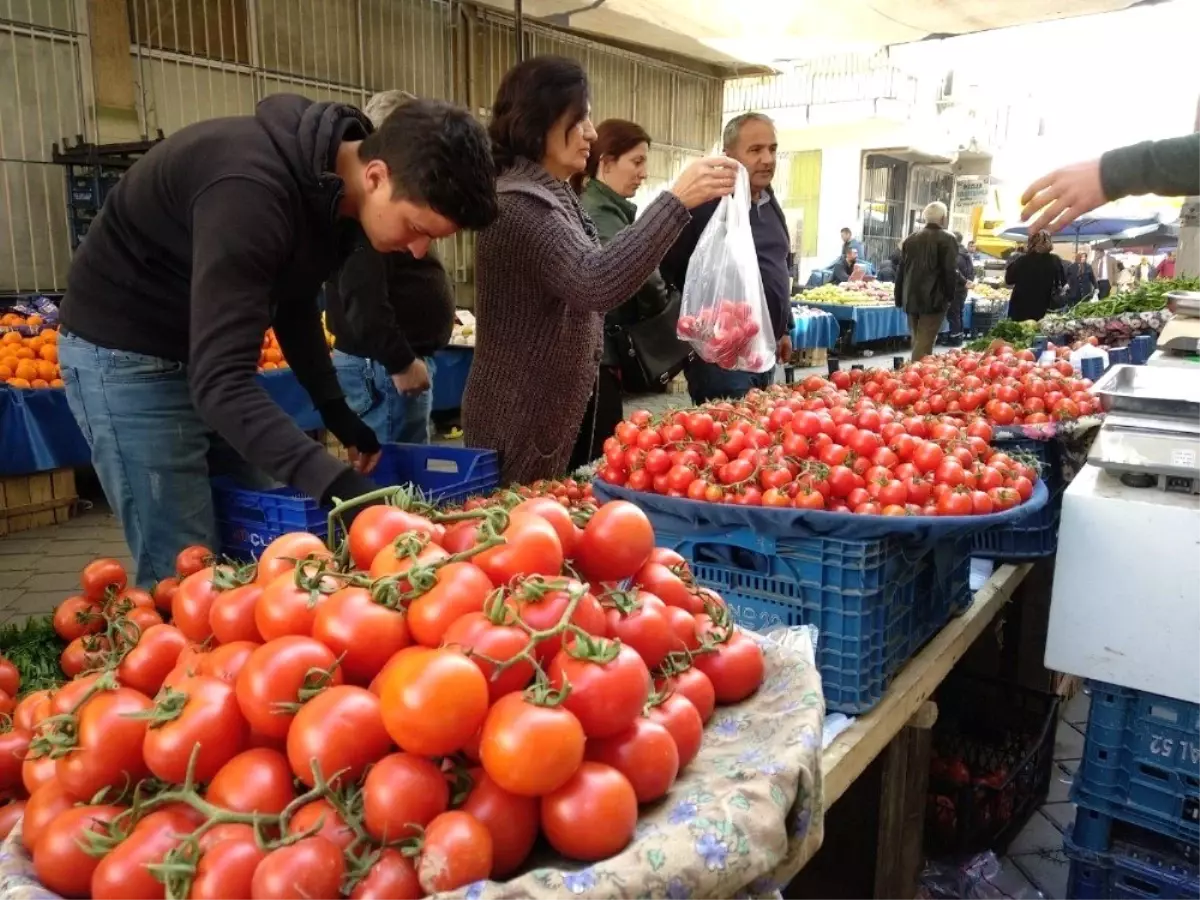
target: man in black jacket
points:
(963, 282)
(224, 229)
(926, 280)
(750, 139)
(389, 313)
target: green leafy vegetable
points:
(34, 648)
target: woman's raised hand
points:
(713, 176)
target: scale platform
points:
(1125, 606)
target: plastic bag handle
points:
(735, 209)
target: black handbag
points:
(650, 352)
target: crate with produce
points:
(458, 703)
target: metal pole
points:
(1187, 257)
(519, 28)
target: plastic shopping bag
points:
(724, 312)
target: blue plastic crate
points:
(1135, 863)
(1035, 536)
(1141, 762)
(450, 378)
(445, 475)
(874, 603)
(248, 520)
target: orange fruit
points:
(57, 382)
(26, 370)
(18, 383)
(51, 335)
(35, 319)
(268, 366)
(49, 352)
(5, 373)
(10, 337)
(25, 353)
(272, 355)
(39, 383)
(35, 343)
(46, 370)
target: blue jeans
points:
(395, 418)
(152, 452)
(708, 381)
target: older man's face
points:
(755, 149)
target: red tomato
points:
(123, 872)
(592, 816)
(227, 661)
(640, 621)
(194, 598)
(255, 780)
(402, 794)
(529, 749)
(557, 515)
(375, 527)
(489, 642)
(616, 543)
(229, 857)
(391, 877)
(231, 615)
(43, 807)
(542, 604)
(363, 633)
(59, 859)
(108, 751)
(320, 818)
(77, 616)
(645, 753)
(697, 688)
(274, 677)
(147, 664)
(954, 503)
(10, 813)
(14, 745)
(458, 589)
(434, 702)
(511, 820)
(531, 547)
(341, 731)
(206, 716)
(736, 669)
(101, 576)
(289, 603)
(281, 554)
(677, 714)
(606, 695)
(456, 850)
(311, 867)
(665, 583)
(163, 593)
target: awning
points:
(731, 33)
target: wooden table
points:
(898, 729)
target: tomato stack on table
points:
(406, 715)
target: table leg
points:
(905, 780)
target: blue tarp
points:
(875, 323)
(1085, 228)
(818, 329)
(38, 432)
(759, 529)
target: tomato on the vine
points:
(609, 684)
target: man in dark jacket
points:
(964, 280)
(1081, 280)
(389, 313)
(926, 280)
(750, 139)
(227, 228)
(844, 267)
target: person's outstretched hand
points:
(1063, 196)
(713, 176)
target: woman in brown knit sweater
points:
(543, 280)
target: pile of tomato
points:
(727, 333)
(913, 442)
(570, 492)
(406, 715)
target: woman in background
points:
(1036, 277)
(616, 168)
(543, 280)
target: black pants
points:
(604, 412)
(1105, 287)
(955, 312)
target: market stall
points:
(814, 328)
(867, 311)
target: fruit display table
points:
(878, 322)
(814, 328)
(38, 432)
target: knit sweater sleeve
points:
(583, 275)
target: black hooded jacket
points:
(224, 229)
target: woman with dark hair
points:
(543, 279)
(1037, 277)
(616, 168)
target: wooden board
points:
(856, 747)
(32, 501)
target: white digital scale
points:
(1125, 607)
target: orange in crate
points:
(28, 361)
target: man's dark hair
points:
(848, 231)
(438, 155)
(532, 97)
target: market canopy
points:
(1089, 228)
(732, 32)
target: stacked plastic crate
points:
(1137, 793)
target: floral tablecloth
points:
(742, 820)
